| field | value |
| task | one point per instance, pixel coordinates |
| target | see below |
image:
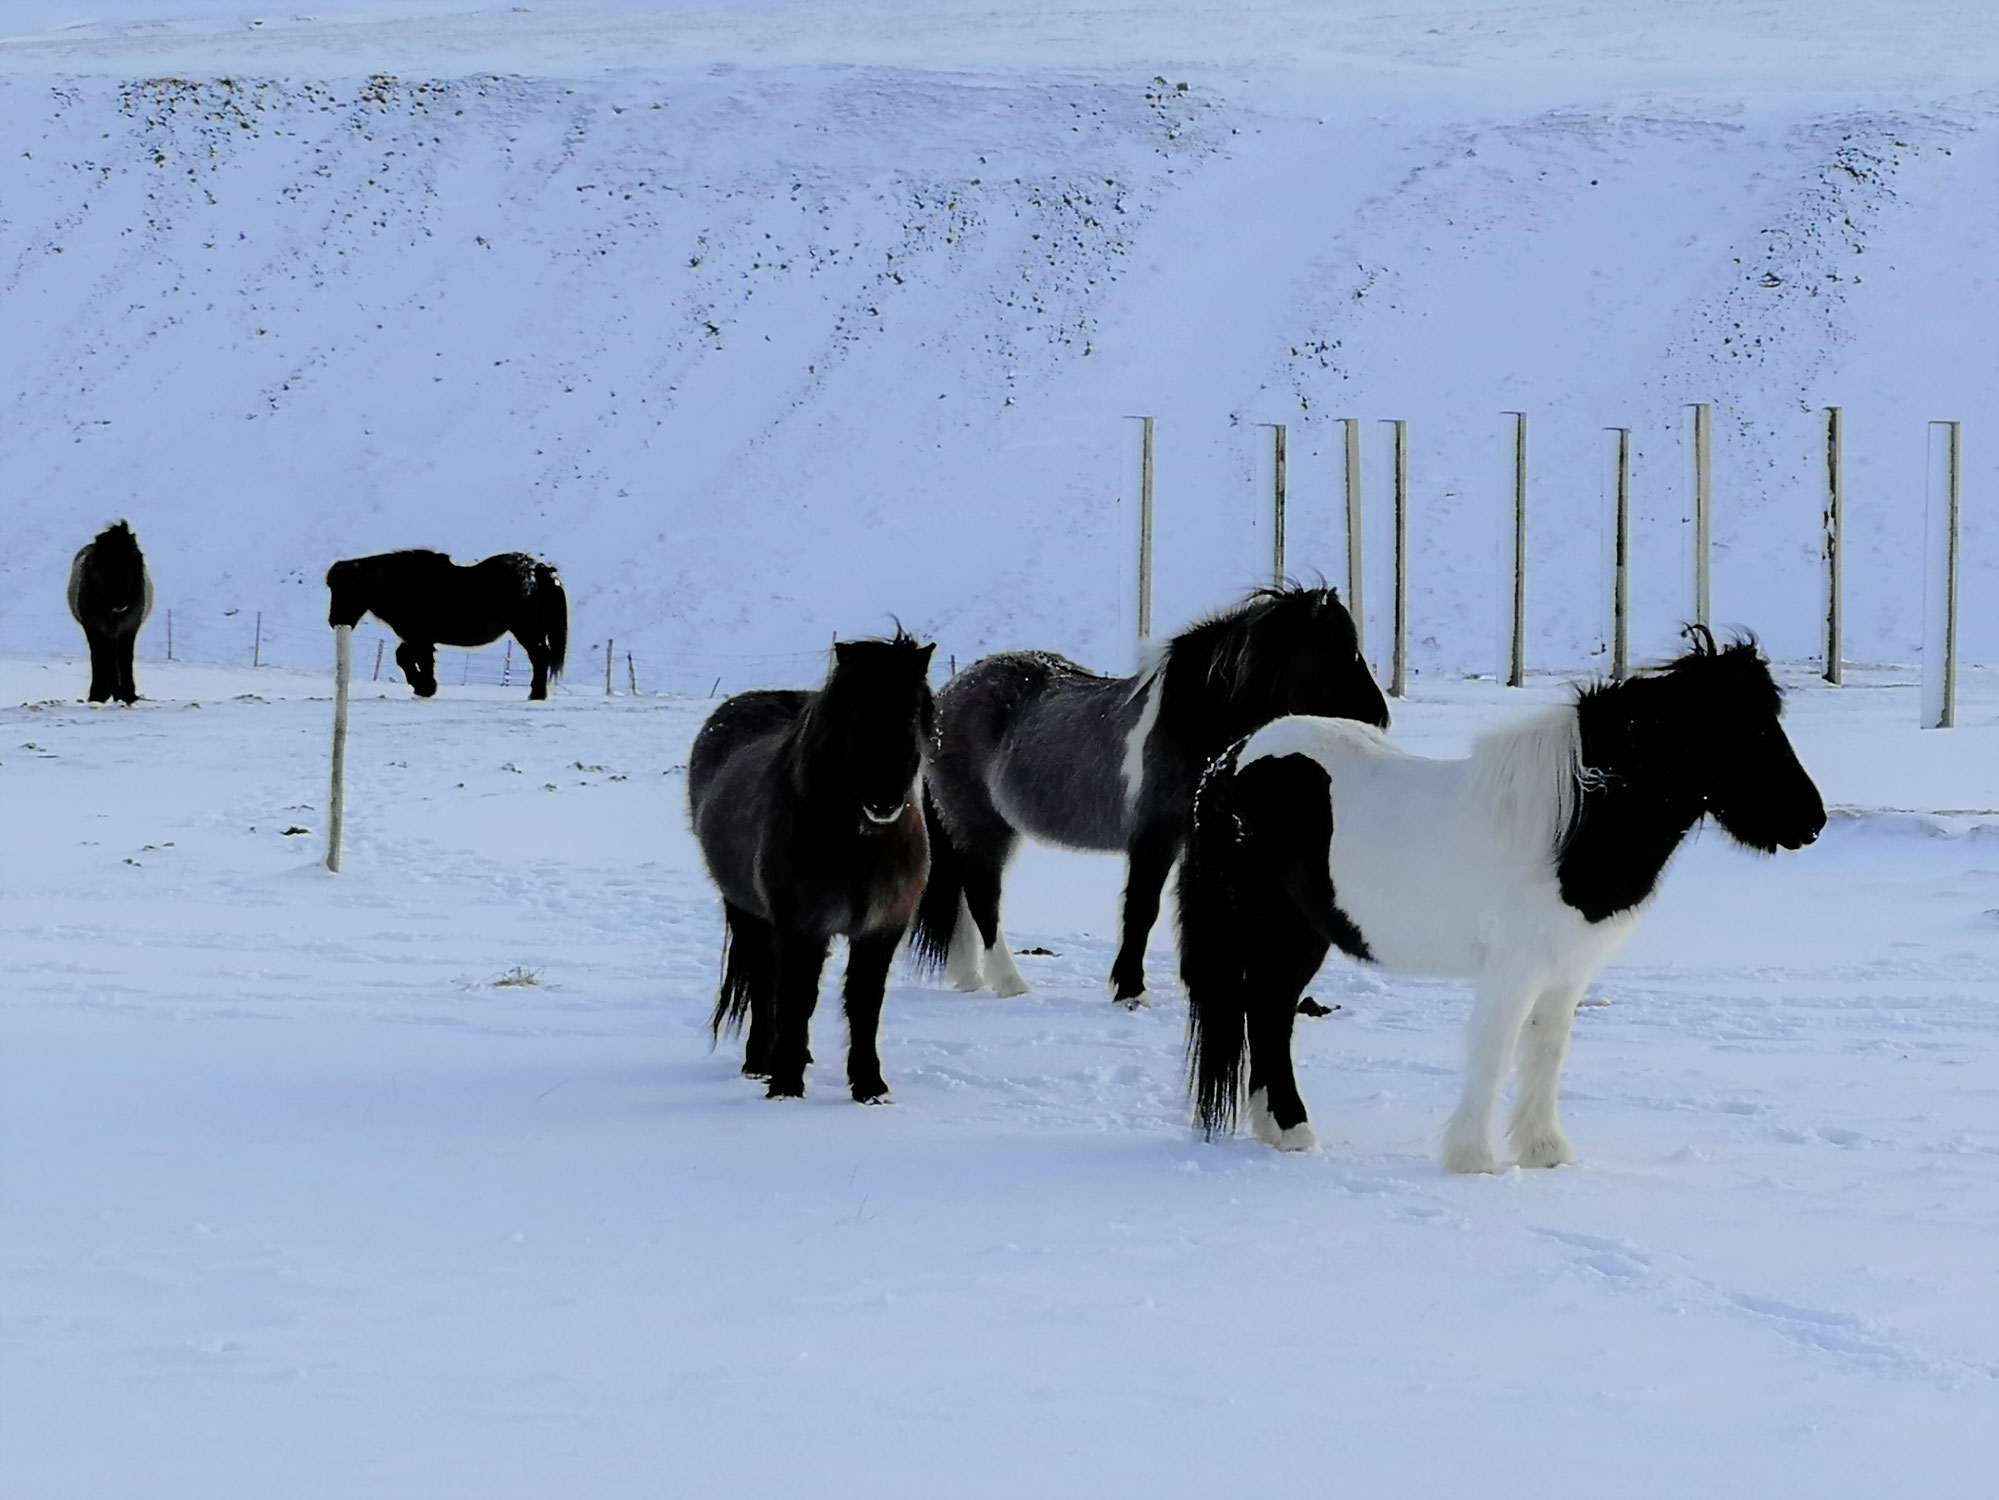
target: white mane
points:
(1528, 777)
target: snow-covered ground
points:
(302, 1198)
(772, 319)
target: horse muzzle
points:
(874, 821)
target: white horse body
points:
(1447, 868)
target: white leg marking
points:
(1497, 1011)
(1134, 744)
(961, 966)
(1300, 1137)
(1536, 1130)
(1003, 975)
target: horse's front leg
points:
(127, 688)
(868, 960)
(1499, 1006)
(103, 675)
(1153, 848)
(1536, 1129)
(801, 956)
(418, 661)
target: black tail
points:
(748, 965)
(554, 608)
(937, 912)
(1213, 872)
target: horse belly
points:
(1422, 903)
(1074, 799)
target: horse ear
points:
(840, 652)
(923, 656)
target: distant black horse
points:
(1029, 742)
(428, 601)
(110, 595)
(1522, 868)
(805, 806)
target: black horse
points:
(805, 807)
(428, 601)
(1029, 742)
(1522, 868)
(110, 595)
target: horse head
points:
(1309, 637)
(873, 720)
(1741, 763)
(347, 586)
(119, 569)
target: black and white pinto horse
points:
(110, 595)
(1030, 742)
(1523, 868)
(428, 601)
(805, 807)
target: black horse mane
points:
(1724, 680)
(855, 663)
(114, 540)
(1218, 650)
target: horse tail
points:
(1213, 875)
(747, 966)
(943, 893)
(554, 604)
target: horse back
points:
(1047, 741)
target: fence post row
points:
(1620, 562)
(1399, 674)
(1516, 655)
(336, 802)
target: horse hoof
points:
(1263, 1125)
(785, 1088)
(1138, 999)
(1550, 1150)
(1471, 1159)
(871, 1093)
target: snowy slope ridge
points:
(758, 356)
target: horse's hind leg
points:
(1498, 1008)
(749, 986)
(985, 861)
(1536, 1130)
(868, 959)
(800, 957)
(538, 654)
(1281, 959)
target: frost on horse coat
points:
(1522, 868)
(110, 596)
(1030, 742)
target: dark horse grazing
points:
(429, 601)
(1523, 868)
(1029, 742)
(805, 806)
(110, 595)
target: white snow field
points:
(773, 320)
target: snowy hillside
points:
(762, 353)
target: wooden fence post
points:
(1940, 574)
(1620, 562)
(1703, 512)
(378, 661)
(607, 667)
(1356, 606)
(336, 805)
(1835, 508)
(1145, 530)
(257, 642)
(1280, 463)
(1516, 654)
(1399, 673)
